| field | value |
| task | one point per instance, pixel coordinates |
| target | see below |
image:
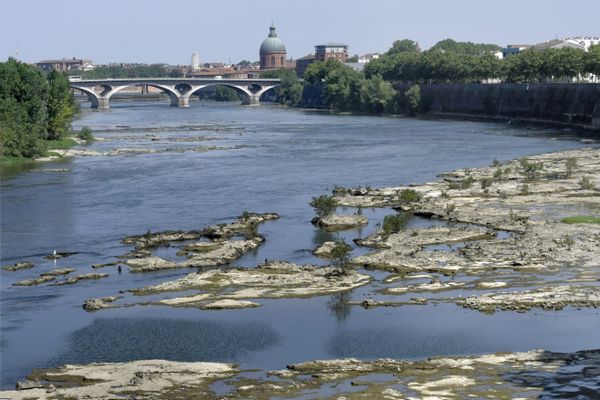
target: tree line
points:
(339, 87)
(34, 109)
(530, 66)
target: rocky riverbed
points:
(505, 227)
(532, 374)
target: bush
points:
(394, 223)
(408, 196)
(571, 164)
(586, 183)
(85, 134)
(486, 182)
(530, 169)
(324, 205)
(412, 97)
(340, 257)
(462, 184)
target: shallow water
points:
(276, 160)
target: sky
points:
(169, 31)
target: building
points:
(513, 49)
(559, 44)
(272, 52)
(64, 65)
(303, 62)
(195, 61)
(364, 59)
(331, 51)
(586, 41)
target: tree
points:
(592, 60)
(61, 105)
(176, 73)
(413, 99)
(323, 205)
(290, 90)
(23, 110)
(404, 46)
(340, 257)
(376, 95)
(225, 93)
(470, 48)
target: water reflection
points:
(339, 307)
(119, 339)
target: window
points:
(272, 60)
(282, 60)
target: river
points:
(267, 159)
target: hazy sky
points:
(170, 30)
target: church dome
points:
(272, 44)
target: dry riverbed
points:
(503, 228)
(501, 376)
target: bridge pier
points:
(182, 101)
(103, 103)
(251, 100)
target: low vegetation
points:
(582, 219)
(323, 205)
(394, 223)
(340, 256)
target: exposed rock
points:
(326, 248)
(336, 222)
(77, 278)
(34, 282)
(229, 304)
(149, 264)
(109, 264)
(59, 271)
(18, 266)
(433, 286)
(146, 378)
(59, 254)
(226, 252)
(98, 304)
(275, 279)
(547, 298)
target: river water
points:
(272, 160)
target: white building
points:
(367, 57)
(195, 61)
(586, 41)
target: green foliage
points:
(412, 98)
(404, 46)
(61, 105)
(498, 173)
(85, 134)
(290, 90)
(225, 93)
(495, 163)
(462, 184)
(340, 257)
(323, 205)
(464, 48)
(393, 223)
(585, 183)
(524, 189)
(176, 73)
(591, 61)
(352, 59)
(530, 169)
(61, 144)
(23, 110)
(118, 71)
(408, 196)
(376, 95)
(570, 164)
(486, 182)
(582, 219)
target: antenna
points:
(17, 52)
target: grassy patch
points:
(61, 144)
(581, 219)
(9, 161)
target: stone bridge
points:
(179, 90)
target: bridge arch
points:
(170, 91)
(93, 97)
(246, 94)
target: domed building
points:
(272, 51)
